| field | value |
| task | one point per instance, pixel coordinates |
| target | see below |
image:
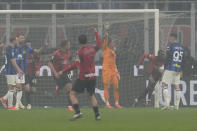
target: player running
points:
(12, 72)
(154, 74)
(110, 72)
(60, 59)
(172, 73)
(86, 79)
(33, 70)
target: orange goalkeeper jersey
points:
(109, 57)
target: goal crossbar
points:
(78, 11)
(113, 11)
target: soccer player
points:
(33, 70)
(172, 72)
(61, 58)
(13, 71)
(86, 79)
(154, 72)
(110, 72)
(22, 54)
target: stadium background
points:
(176, 16)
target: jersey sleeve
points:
(105, 43)
(98, 41)
(145, 55)
(168, 51)
(10, 53)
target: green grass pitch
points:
(126, 119)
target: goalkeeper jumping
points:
(154, 72)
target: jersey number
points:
(178, 56)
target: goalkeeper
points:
(110, 73)
(154, 71)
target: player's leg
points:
(177, 90)
(167, 78)
(68, 90)
(91, 91)
(106, 84)
(151, 85)
(20, 81)
(77, 88)
(11, 81)
(116, 91)
(142, 96)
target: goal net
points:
(135, 32)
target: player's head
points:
(161, 54)
(20, 38)
(172, 38)
(28, 43)
(82, 39)
(65, 44)
(13, 41)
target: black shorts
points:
(31, 80)
(64, 79)
(80, 86)
(156, 75)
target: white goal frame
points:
(155, 11)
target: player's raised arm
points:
(98, 40)
(105, 44)
(146, 55)
(50, 64)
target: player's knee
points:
(106, 85)
(164, 85)
(10, 87)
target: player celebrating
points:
(154, 71)
(33, 67)
(61, 59)
(110, 73)
(86, 78)
(172, 72)
(11, 73)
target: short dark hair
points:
(173, 35)
(64, 43)
(27, 41)
(19, 34)
(82, 39)
(12, 39)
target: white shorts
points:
(15, 79)
(11, 79)
(171, 77)
(20, 80)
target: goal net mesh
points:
(127, 29)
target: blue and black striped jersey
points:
(22, 56)
(10, 54)
(174, 57)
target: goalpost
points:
(126, 27)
